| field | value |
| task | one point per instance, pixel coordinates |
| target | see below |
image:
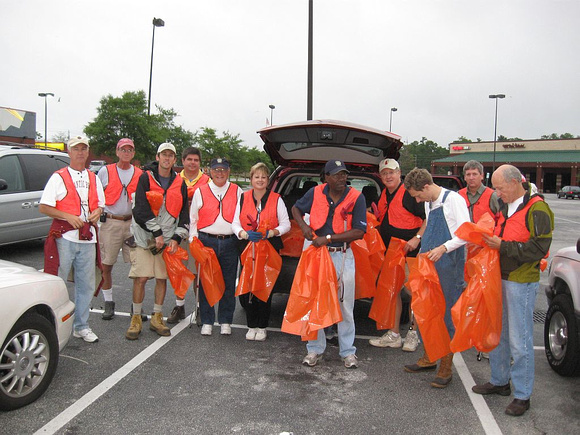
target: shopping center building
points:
(549, 163)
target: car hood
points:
(318, 141)
(15, 274)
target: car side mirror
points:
(3, 184)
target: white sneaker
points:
(411, 341)
(261, 334)
(311, 359)
(350, 361)
(251, 334)
(87, 335)
(226, 329)
(206, 329)
(387, 340)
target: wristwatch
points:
(329, 238)
(418, 236)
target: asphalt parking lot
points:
(187, 383)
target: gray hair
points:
(510, 173)
(473, 164)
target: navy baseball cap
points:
(334, 166)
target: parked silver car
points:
(37, 319)
(561, 329)
(23, 175)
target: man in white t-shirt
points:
(74, 198)
(119, 182)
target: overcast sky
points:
(220, 63)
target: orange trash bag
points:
(477, 313)
(180, 276)
(293, 241)
(375, 244)
(365, 280)
(390, 282)
(210, 271)
(314, 294)
(261, 265)
(428, 306)
(484, 225)
(155, 201)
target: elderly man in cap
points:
(120, 182)
(211, 215)
(328, 205)
(74, 198)
(404, 218)
(154, 231)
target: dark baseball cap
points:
(334, 166)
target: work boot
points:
(109, 310)
(444, 373)
(158, 325)
(422, 365)
(177, 314)
(135, 327)
(144, 317)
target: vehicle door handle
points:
(26, 205)
(36, 203)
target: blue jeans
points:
(226, 251)
(517, 334)
(81, 256)
(346, 330)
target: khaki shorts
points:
(112, 234)
(146, 265)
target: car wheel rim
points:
(23, 363)
(558, 335)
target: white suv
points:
(23, 175)
(561, 329)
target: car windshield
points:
(295, 146)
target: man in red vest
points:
(403, 218)
(479, 199)
(522, 236)
(337, 218)
(156, 225)
(120, 182)
(211, 215)
(193, 177)
(74, 198)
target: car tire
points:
(561, 340)
(28, 361)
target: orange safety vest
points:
(481, 206)
(204, 179)
(382, 205)
(268, 216)
(210, 209)
(173, 198)
(71, 203)
(115, 187)
(399, 216)
(320, 208)
(514, 228)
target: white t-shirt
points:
(123, 205)
(55, 190)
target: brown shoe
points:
(489, 388)
(444, 374)
(135, 328)
(158, 325)
(177, 314)
(422, 365)
(518, 407)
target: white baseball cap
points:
(166, 146)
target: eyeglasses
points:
(127, 150)
(220, 170)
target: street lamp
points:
(272, 107)
(45, 95)
(495, 97)
(157, 22)
(393, 109)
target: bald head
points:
(507, 182)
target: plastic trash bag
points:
(364, 278)
(210, 271)
(155, 201)
(390, 282)
(261, 265)
(314, 294)
(293, 241)
(180, 276)
(478, 311)
(375, 244)
(428, 305)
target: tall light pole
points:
(45, 95)
(495, 97)
(272, 107)
(157, 22)
(393, 109)
(310, 67)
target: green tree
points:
(462, 139)
(502, 138)
(61, 136)
(126, 116)
(420, 154)
(554, 136)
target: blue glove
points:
(254, 236)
